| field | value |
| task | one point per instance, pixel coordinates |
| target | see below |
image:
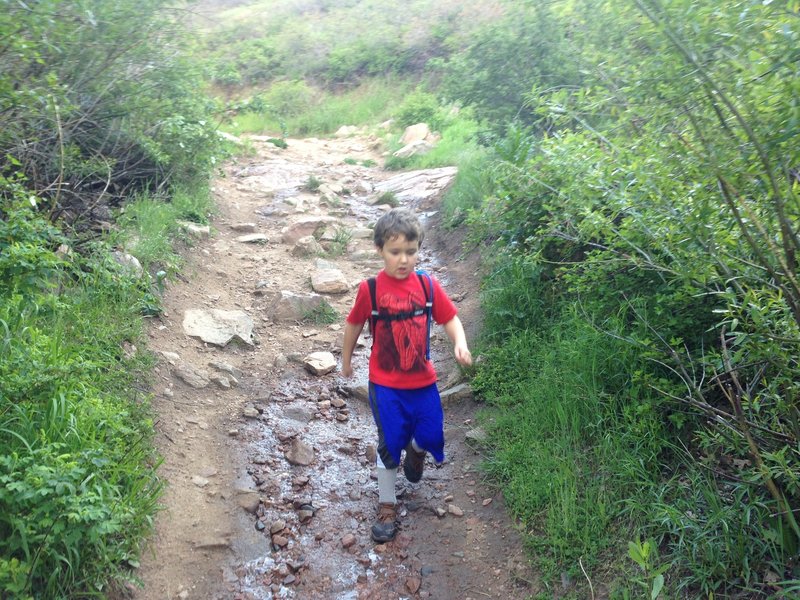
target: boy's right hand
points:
(347, 371)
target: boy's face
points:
(399, 256)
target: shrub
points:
(419, 107)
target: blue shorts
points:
(403, 414)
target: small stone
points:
(172, 357)
(486, 501)
(245, 227)
(348, 540)
(253, 238)
(413, 584)
(300, 453)
(295, 565)
(200, 482)
(305, 515)
(221, 381)
(280, 541)
(249, 501)
(455, 510)
(277, 526)
(320, 363)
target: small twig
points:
(591, 588)
(478, 592)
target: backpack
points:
(375, 316)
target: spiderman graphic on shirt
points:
(402, 342)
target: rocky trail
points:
(268, 453)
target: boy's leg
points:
(394, 421)
(428, 432)
(390, 423)
(414, 462)
(385, 526)
(387, 478)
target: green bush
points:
(117, 109)
(504, 59)
(77, 482)
(653, 200)
(419, 107)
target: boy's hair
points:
(398, 221)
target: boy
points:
(402, 381)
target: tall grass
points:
(554, 432)
(323, 113)
(587, 459)
(149, 225)
(78, 487)
(77, 465)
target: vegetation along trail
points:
(270, 466)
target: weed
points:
(368, 163)
(389, 198)
(645, 555)
(312, 184)
(396, 163)
(279, 142)
(338, 246)
(324, 314)
(350, 161)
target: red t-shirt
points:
(398, 349)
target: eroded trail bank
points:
(269, 466)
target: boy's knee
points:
(385, 458)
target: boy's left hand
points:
(463, 355)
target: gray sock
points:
(415, 446)
(386, 481)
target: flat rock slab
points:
(459, 392)
(217, 326)
(422, 185)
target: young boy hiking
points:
(400, 304)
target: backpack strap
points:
(428, 308)
(373, 318)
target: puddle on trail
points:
(307, 511)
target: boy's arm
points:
(351, 333)
(455, 331)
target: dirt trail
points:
(240, 521)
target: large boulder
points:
(288, 306)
